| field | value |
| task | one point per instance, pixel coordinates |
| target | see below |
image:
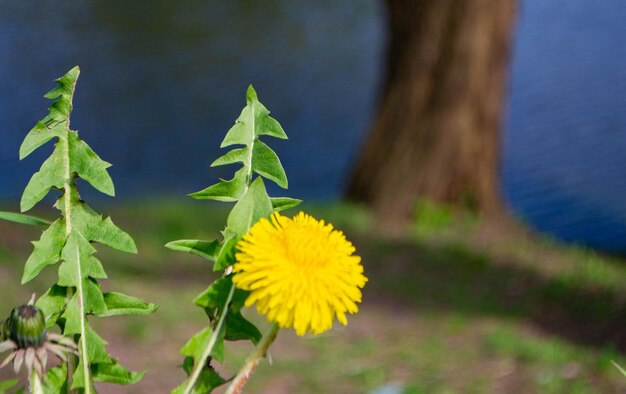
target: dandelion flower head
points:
(300, 272)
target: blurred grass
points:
(460, 306)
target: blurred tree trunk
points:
(436, 132)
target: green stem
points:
(67, 200)
(253, 360)
(35, 384)
(211, 344)
(83, 328)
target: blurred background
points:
(472, 150)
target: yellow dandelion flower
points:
(300, 272)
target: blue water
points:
(564, 150)
(162, 81)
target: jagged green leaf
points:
(94, 228)
(93, 304)
(251, 95)
(264, 124)
(38, 136)
(96, 354)
(254, 205)
(216, 294)
(51, 174)
(271, 127)
(65, 85)
(238, 134)
(226, 254)
(283, 203)
(197, 344)
(78, 379)
(266, 163)
(23, 219)
(238, 328)
(226, 191)
(115, 373)
(206, 249)
(96, 347)
(232, 157)
(253, 122)
(72, 317)
(208, 380)
(78, 262)
(52, 303)
(86, 163)
(56, 380)
(46, 251)
(121, 304)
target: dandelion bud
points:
(26, 326)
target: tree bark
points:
(436, 131)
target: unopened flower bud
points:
(27, 326)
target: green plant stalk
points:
(210, 345)
(207, 351)
(77, 293)
(253, 360)
(83, 330)
(251, 204)
(67, 193)
(619, 368)
(35, 384)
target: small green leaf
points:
(197, 344)
(239, 134)
(121, 304)
(65, 87)
(251, 95)
(23, 219)
(254, 205)
(46, 251)
(114, 373)
(95, 228)
(266, 163)
(226, 254)
(96, 347)
(110, 235)
(226, 191)
(86, 163)
(283, 203)
(206, 249)
(208, 380)
(232, 157)
(94, 299)
(270, 126)
(77, 258)
(238, 328)
(78, 379)
(51, 174)
(72, 317)
(38, 136)
(52, 303)
(94, 304)
(253, 122)
(56, 380)
(216, 294)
